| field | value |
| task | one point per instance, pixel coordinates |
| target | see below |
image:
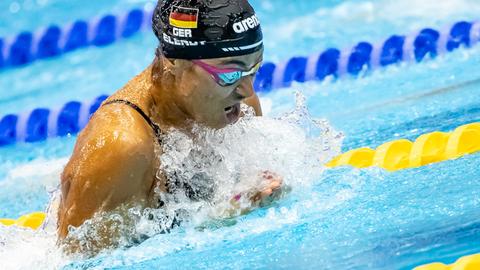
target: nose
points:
(245, 88)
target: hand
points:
(268, 189)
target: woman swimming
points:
(203, 70)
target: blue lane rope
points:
(27, 47)
(54, 40)
(364, 56)
(41, 123)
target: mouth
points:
(232, 113)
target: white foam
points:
(25, 248)
(31, 175)
(294, 146)
(38, 167)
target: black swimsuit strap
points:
(154, 126)
(158, 133)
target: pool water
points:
(334, 219)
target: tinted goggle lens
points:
(229, 78)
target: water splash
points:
(23, 248)
(294, 145)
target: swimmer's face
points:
(206, 100)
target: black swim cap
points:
(202, 29)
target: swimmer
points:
(209, 52)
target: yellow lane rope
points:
(471, 262)
(32, 221)
(426, 149)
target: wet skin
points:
(115, 159)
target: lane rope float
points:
(471, 262)
(32, 221)
(426, 149)
(53, 41)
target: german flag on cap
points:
(183, 17)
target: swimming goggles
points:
(226, 76)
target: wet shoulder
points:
(118, 128)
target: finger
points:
(269, 175)
(266, 192)
(257, 197)
(275, 184)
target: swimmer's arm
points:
(254, 102)
(100, 180)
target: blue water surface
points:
(348, 219)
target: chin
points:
(227, 116)
(218, 123)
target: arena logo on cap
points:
(245, 25)
(183, 17)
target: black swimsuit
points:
(158, 134)
(195, 190)
(198, 189)
(155, 127)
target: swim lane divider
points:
(364, 56)
(426, 149)
(54, 40)
(32, 220)
(470, 262)
(41, 123)
(27, 47)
